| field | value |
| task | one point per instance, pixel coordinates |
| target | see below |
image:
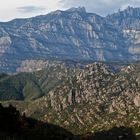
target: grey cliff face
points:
(72, 34)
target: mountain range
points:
(73, 34)
(72, 69)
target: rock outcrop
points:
(79, 99)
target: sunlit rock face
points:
(137, 100)
(73, 34)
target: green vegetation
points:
(30, 86)
(14, 126)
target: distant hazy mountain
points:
(73, 34)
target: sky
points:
(10, 9)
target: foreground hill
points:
(14, 126)
(73, 34)
(18, 127)
(97, 97)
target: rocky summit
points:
(73, 34)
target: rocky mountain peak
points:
(134, 12)
(79, 9)
(57, 12)
(127, 13)
(127, 19)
